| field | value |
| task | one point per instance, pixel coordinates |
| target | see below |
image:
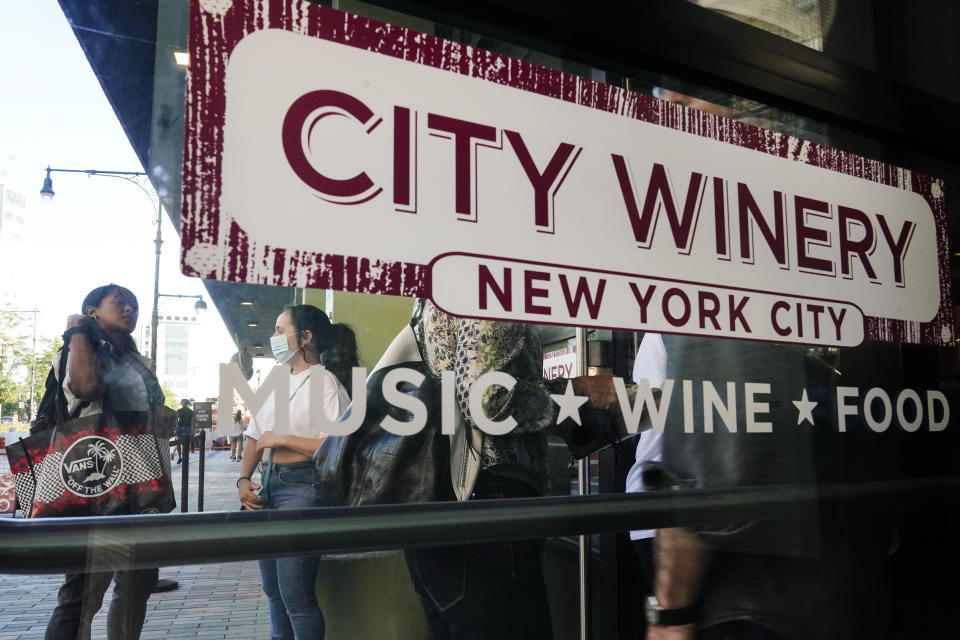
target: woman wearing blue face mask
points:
(304, 336)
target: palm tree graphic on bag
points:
(101, 457)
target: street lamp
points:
(47, 193)
(200, 306)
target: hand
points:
(599, 390)
(269, 440)
(77, 320)
(87, 325)
(681, 632)
(248, 498)
(163, 421)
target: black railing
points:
(186, 444)
(69, 544)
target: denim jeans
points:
(81, 596)
(290, 583)
(491, 590)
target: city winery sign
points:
(327, 150)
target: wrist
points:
(660, 616)
(242, 478)
(73, 331)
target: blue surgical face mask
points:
(280, 348)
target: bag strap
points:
(60, 401)
(265, 479)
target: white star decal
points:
(569, 404)
(805, 409)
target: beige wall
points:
(369, 596)
(376, 319)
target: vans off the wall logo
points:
(91, 467)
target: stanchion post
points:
(203, 456)
(185, 473)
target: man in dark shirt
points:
(184, 428)
(816, 570)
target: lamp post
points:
(47, 193)
(200, 306)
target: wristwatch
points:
(657, 616)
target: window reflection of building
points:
(178, 359)
(13, 234)
(801, 21)
(174, 368)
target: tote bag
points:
(93, 465)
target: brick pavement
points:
(213, 601)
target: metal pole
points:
(185, 472)
(155, 318)
(203, 449)
(583, 480)
(33, 368)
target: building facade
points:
(14, 230)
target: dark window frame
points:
(703, 46)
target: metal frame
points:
(703, 46)
(102, 543)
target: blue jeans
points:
(290, 583)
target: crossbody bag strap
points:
(60, 401)
(265, 480)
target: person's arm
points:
(306, 446)
(681, 561)
(598, 389)
(483, 346)
(84, 372)
(246, 487)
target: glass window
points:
(792, 461)
(800, 21)
(909, 43)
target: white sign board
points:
(389, 161)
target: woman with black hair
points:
(303, 337)
(104, 368)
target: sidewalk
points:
(213, 601)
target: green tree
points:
(170, 397)
(13, 350)
(17, 359)
(46, 350)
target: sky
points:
(95, 230)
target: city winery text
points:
(799, 232)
